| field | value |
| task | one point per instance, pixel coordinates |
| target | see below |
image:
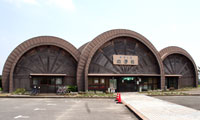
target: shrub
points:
(1, 89)
(72, 88)
(19, 91)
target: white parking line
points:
(20, 116)
(74, 101)
(51, 104)
(48, 101)
(36, 109)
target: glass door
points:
(47, 84)
(126, 84)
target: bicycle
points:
(61, 90)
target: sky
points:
(163, 22)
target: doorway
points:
(171, 82)
(47, 84)
(127, 84)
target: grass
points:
(175, 92)
(91, 95)
(77, 95)
(97, 95)
(199, 86)
(4, 94)
(164, 93)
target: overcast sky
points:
(162, 22)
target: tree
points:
(0, 81)
(198, 68)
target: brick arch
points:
(20, 50)
(164, 53)
(95, 44)
(81, 48)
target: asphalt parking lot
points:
(188, 101)
(63, 109)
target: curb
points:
(140, 115)
(55, 97)
(176, 95)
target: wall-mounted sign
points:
(128, 78)
(125, 60)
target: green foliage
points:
(1, 89)
(98, 95)
(72, 88)
(0, 81)
(19, 91)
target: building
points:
(120, 59)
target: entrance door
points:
(172, 82)
(126, 84)
(47, 84)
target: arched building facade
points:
(119, 59)
(179, 67)
(44, 61)
(97, 70)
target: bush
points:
(72, 88)
(19, 91)
(1, 89)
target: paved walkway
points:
(149, 108)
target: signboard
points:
(125, 60)
(128, 78)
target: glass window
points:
(44, 81)
(96, 81)
(102, 81)
(35, 82)
(58, 81)
(150, 87)
(113, 83)
(145, 87)
(52, 81)
(150, 80)
(90, 81)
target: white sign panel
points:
(125, 60)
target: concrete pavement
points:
(63, 109)
(188, 101)
(149, 108)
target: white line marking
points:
(51, 104)
(20, 116)
(39, 109)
